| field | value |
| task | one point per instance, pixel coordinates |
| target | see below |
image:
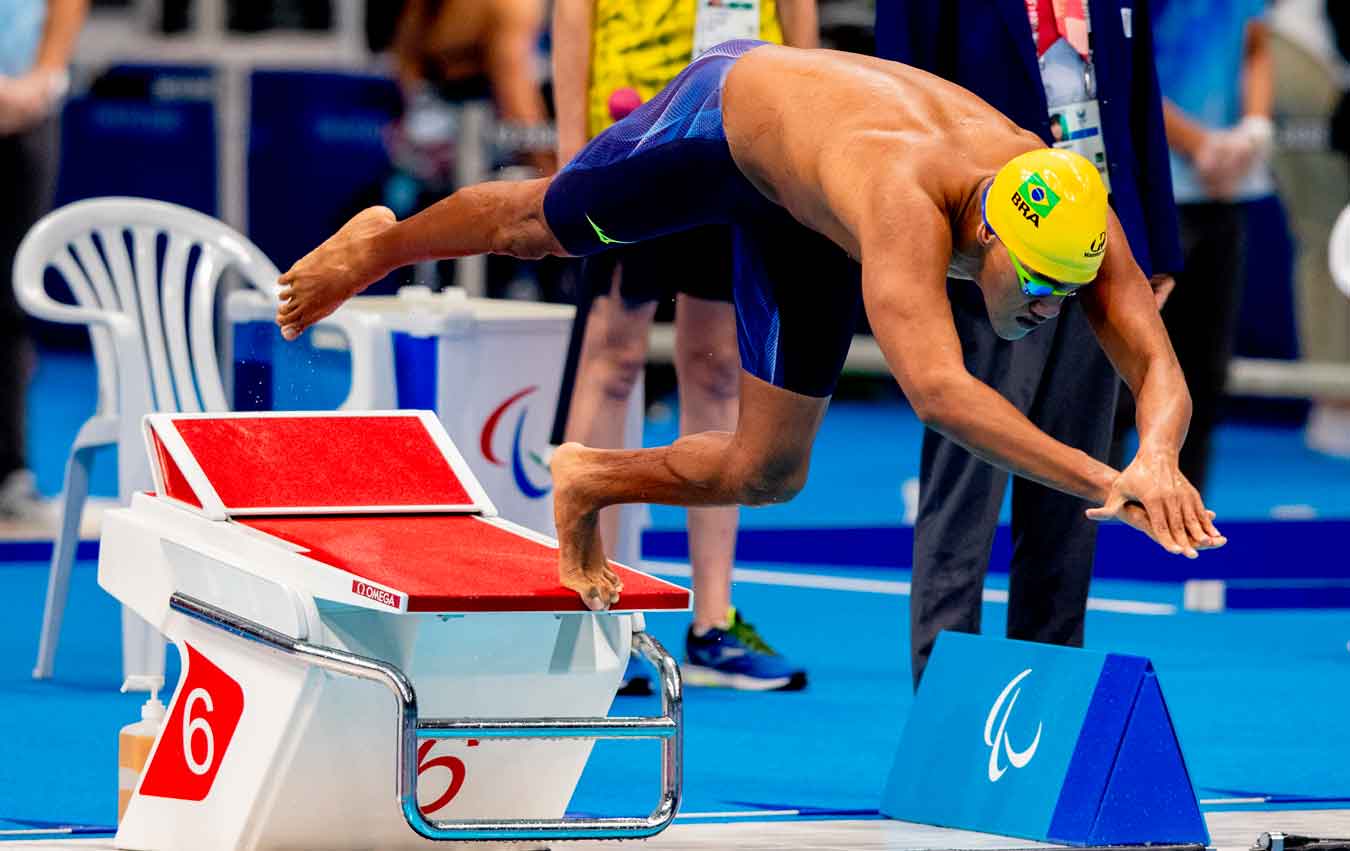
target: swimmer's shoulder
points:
(814, 60)
(866, 89)
(512, 15)
(778, 59)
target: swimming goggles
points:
(1032, 286)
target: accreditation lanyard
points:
(716, 21)
(1076, 124)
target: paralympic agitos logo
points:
(998, 742)
(518, 454)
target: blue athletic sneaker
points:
(736, 657)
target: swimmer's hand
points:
(341, 267)
(1154, 497)
(1133, 514)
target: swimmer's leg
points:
(499, 217)
(764, 461)
(664, 168)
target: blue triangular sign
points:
(1049, 743)
(1149, 792)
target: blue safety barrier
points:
(1287, 595)
(1284, 593)
(415, 366)
(254, 388)
(147, 131)
(1048, 743)
(142, 130)
(1122, 552)
(316, 154)
(271, 374)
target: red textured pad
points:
(297, 462)
(175, 483)
(455, 563)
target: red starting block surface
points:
(455, 563)
(307, 464)
(385, 497)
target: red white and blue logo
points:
(518, 453)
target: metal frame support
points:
(667, 727)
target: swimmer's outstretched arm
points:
(904, 290)
(502, 217)
(1124, 316)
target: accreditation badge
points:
(1077, 127)
(716, 21)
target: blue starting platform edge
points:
(1047, 743)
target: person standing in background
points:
(1214, 65)
(36, 42)
(608, 57)
(448, 52)
(450, 58)
(1080, 74)
(1310, 79)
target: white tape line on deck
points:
(890, 587)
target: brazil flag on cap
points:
(1038, 195)
(1048, 207)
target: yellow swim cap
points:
(1049, 208)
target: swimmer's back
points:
(814, 129)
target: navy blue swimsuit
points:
(666, 168)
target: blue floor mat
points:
(1258, 700)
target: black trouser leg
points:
(1061, 380)
(952, 538)
(1054, 543)
(1201, 318)
(959, 494)
(26, 177)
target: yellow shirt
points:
(643, 44)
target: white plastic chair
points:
(154, 343)
(1338, 252)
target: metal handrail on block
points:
(667, 727)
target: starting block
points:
(1055, 744)
(370, 657)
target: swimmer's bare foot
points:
(341, 267)
(582, 565)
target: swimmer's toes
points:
(579, 582)
(291, 309)
(596, 598)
